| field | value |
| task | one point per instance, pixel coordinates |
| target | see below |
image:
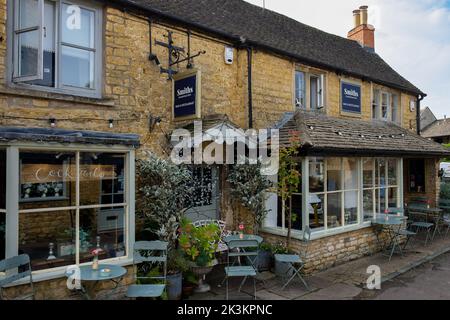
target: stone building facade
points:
(104, 125)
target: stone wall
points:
(330, 251)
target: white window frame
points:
(321, 89)
(303, 89)
(388, 99)
(59, 88)
(12, 201)
(325, 231)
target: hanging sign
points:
(187, 95)
(350, 97)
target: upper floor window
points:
(56, 45)
(309, 92)
(385, 106)
(300, 94)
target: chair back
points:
(306, 240)
(395, 211)
(444, 204)
(222, 227)
(243, 248)
(14, 270)
(147, 255)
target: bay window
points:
(56, 45)
(342, 192)
(69, 203)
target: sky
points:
(413, 36)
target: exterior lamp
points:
(111, 123)
(52, 122)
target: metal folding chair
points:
(402, 231)
(16, 268)
(149, 255)
(295, 262)
(419, 223)
(248, 251)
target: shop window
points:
(316, 199)
(57, 46)
(417, 175)
(293, 205)
(300, 90)
(2, 203)
(53, 210)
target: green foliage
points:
(199, 243)
(265, 246)
(289, 178)
(164, 192)
(249, 186)
(177, 262)
(280, 248)
(445, 191)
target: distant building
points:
(431, 127)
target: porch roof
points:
(321, 134)
(55, 135)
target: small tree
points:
(248, 187)
(164, 195)
(288, 181)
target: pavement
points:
(423, 272)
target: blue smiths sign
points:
(350, 97)
(186, 95)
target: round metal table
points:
(392, 224)
(87, 274)
(249, 237)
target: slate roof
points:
(319, 133)
(237, 19)
(439, 128)
(56, 135)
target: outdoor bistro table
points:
(94, 277)
(392, 224)
(437, 215)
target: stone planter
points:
(281, 269)
(264, 260)
(201, 272)
(174, 286)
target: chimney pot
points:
(357, 17)
(364, 14)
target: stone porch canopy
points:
(319, 134)
(13, 134)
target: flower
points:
(96, 251)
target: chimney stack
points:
(363, 32)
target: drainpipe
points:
(420, 97)
(249, 86)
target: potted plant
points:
(199, 245)
(265, 256)
(281, 269)
(177, 264)
(190, 281)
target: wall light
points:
(153, 121)
(52, 122)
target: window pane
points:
(103, 229)
(47, 180)
(380, 196)
(300, 89)
(368, 166)
(375, 104)
(296, 212)
(77, 68)
(394, 108)
(78, 26)
(381, 173)
(316, 175)
(2, 203)
(351, 174)
(334, 210)
(417, 175)
(334, 174)
(384, 105)
(2, 179)
(392, 197)
(48, 47)
(314, 91)
(316, 211)
(392, 172)
(28, 14)
(48, 238)
(368, 204)
(28, 47)
(102, 176)
(351, 207)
